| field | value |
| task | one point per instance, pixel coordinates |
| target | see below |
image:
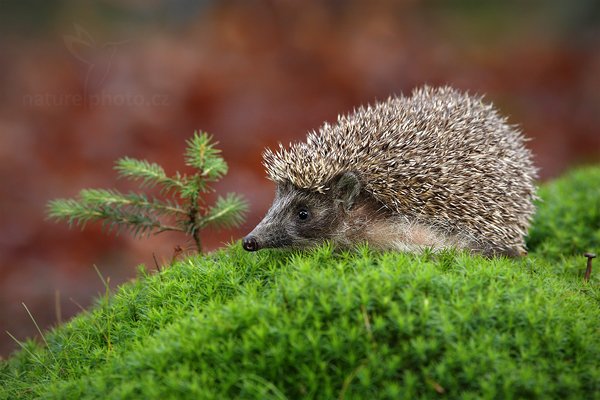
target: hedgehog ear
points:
(346, 189)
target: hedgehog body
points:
(438, 169)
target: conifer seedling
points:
(181, 207)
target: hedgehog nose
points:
(249, 243)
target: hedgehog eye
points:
(303, 214)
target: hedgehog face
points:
(300, 218)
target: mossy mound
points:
(321, 324)
(567, 220)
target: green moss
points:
(330, 325)
(567, 221)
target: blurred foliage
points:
(493, 18)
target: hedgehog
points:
(439, 169)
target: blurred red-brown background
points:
(84, 83)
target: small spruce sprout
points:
(182, 207)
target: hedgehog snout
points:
(249, 243)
